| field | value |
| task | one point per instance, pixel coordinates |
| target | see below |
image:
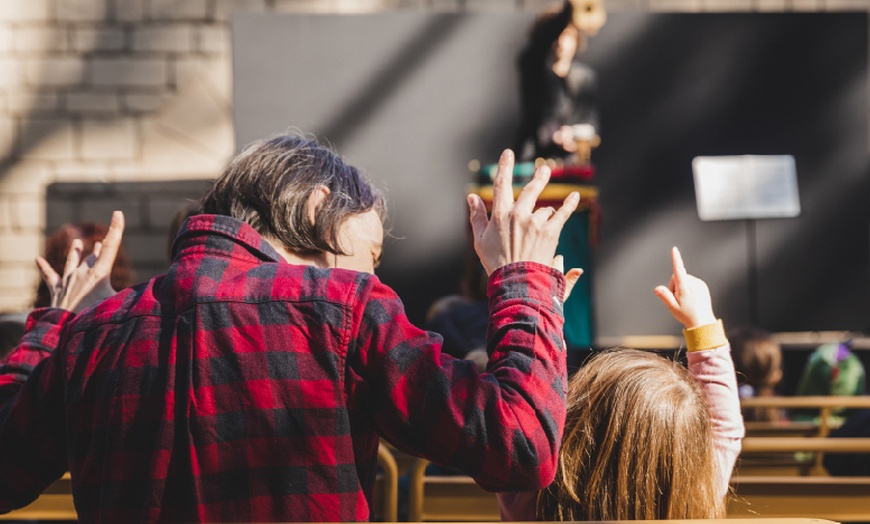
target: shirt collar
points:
(196, 228)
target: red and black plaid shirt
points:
(239, 387)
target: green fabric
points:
(579, 310)
(830, 370)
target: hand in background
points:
(687, 297)
(516, 231)
(84, 282)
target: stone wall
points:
(136, 94)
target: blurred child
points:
(758, 361)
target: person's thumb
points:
(571, 278)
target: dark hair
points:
(268, 185)
(57, 248)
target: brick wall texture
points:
(107, 103)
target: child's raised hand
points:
(687, 297)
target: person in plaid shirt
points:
(252, 381)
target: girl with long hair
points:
(645, 437)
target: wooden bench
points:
(55, 503)
(844, 499)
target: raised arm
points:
(504, 426)
(688, 299)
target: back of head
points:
(637, 444)
(757, 360)
(268, 186)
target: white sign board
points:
(746, 187)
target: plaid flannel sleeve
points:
(32, 454)
(503, 427)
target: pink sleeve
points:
(517, 506)
(714, 369)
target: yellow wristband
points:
(708, 336)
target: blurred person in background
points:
(758, 362)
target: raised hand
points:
(687, 297)
(84, 282)
(516, 231)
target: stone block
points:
(807, 5)
(25, 176)
(413, 5)
(224, 9)
(215, 71)
(17, 273)
(39, 39)
(18, 298)
(54, 70)
(724, 6)
(48, 139)
(129, 71)
(363, 6)
(28, 103)
(177, 9)
(303, 6)
(19, 247)
(26, 212)
(128, 10)
(770, 6)
(490, 5)
(6, 33)
(25, 10)
(173, 39)
(10, 73)
(81, 10)
(109, 139)
(79, 170)
(93, 102)
(447, 6)
(144, 102)
(8, 137)
(213, 39)
(86, 39)
(847, 5)
(684, 6)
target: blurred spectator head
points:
(757, 359)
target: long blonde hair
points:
(638, 444)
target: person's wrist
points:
(705, 336)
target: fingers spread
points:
(477, 215)
(74, 257)
(568, 207)
(49, 275)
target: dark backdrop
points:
(412, 97)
